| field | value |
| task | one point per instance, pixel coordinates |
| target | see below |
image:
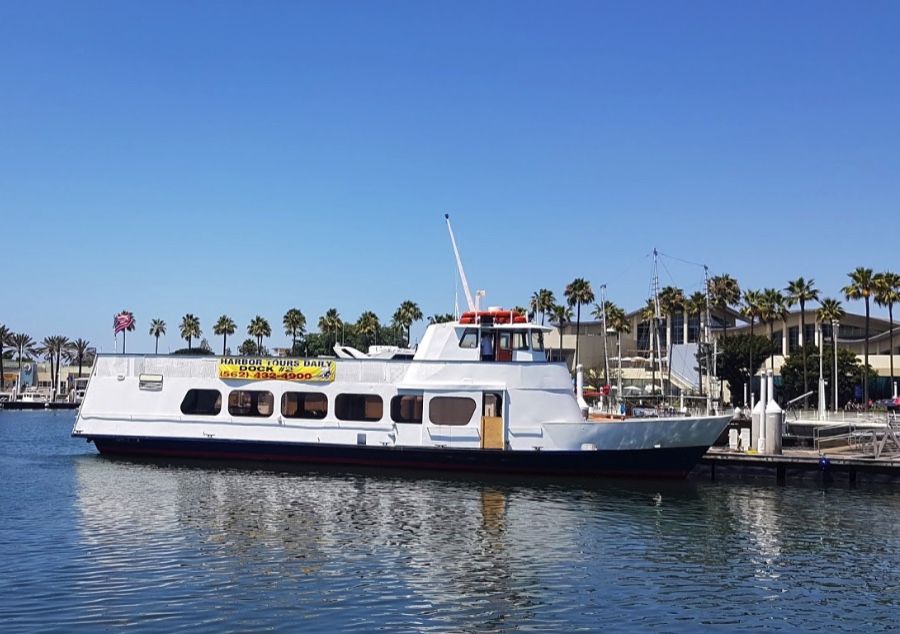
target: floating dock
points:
(849, 465)
(37, 405)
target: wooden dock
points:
(851, 466)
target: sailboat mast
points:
(656, 318)
(706, 338)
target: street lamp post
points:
(605, 334)
(821, 407)
(835, 324)
(619, 368)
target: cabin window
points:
(304, 405)
(407, 408)
(451, 410)
(150, 382)
(520, 341)
(202, 402)
(493, 404)
(365, 407)
(537, 340)
(469, 338)
(250, 403)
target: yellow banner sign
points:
(257, 369)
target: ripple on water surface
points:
(91, 544)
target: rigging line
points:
(681, 260)
(694, 286)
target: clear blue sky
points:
(243, 158)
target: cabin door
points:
(492, 436)
(504, 346)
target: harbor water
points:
(91, 544)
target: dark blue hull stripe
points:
(670, 463)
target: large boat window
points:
(202, 402)
(537, 340)
(367, 407)
(250, 403)
(520, 341)
(406, 408)
(451, 410)
(304, 405)
(469, 338)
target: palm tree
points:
(25, 347)
(829, 310)
(887, 293)
(541, 302)
(724, 291)
(441, 318)
(862, 286)
(190, 328)
(368, 324)
(671, 301)
(5, 335)
(157, 329)
(561, 315)
(129, 324)
(79, 351)
(47, 349)
(224, 327)
(800, 291)
(61, 346)
(752, 309)
(259, 327)
(578, 292)
(406, 315)
(771, 309)
(330, 324)
(294, 323)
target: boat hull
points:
(674, 462)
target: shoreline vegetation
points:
(742, 357)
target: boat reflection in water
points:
(237, 549)
(460, 553)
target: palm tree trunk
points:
(772, 341)
(224, 343)
(123, 342)
(577, 330)
(157, 345)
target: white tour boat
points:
(445, 408)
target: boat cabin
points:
(495, 335)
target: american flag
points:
(122, 321)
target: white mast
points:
(654, 338)
(462, 273)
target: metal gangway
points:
(874, 435)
